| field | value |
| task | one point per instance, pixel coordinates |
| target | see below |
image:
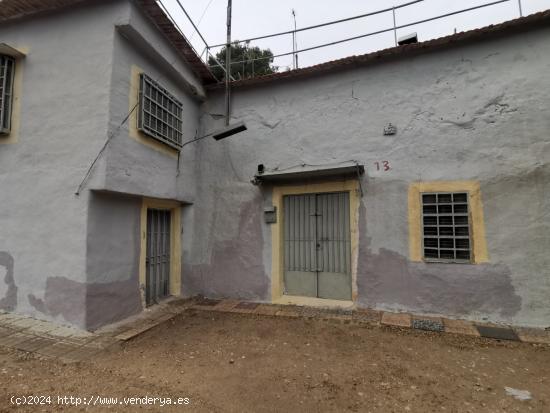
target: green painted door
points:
(317, 245)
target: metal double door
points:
(317, 245)
(157, 261)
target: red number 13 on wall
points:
(383, 166)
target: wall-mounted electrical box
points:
(270, 214)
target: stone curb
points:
(143, 327)
(375, 317)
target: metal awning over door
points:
(347, 170)
(317, 245)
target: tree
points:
(244, 62)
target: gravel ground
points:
(244, 363)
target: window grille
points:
(160, 113)
(7, 69)
(446, 227)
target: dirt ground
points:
(245, 363)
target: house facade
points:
(412, 179)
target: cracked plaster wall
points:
(473, 112)
(76, 85)
(64, 118)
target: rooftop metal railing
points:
(208, 54)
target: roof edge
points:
(13, 10)
(176, 39)
(523, 23)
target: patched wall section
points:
(8, 288)
(389, 280)
(235, 268)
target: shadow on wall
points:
(389, 280)
(107, 303)
(236, 267)
(8, 289)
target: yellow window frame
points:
(477, 226)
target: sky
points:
(251, 18)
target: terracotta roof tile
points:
(15, 9)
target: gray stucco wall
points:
(130, 167)
(64, 119)
(73, 258)
(475, 112)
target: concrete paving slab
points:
(207, 302)
(460, 327)
(77, 341)
(15, 339)
(69, 333)
(310, 312)
(396, 319)
(226, 305)
(6, 317)
(500, 333)
(11, 323)
(25, 323)
(288, 312)
(241, 310)
(247, 305)
(4, 331)
(533, 335)
(367, 316)
(336, 317)
(179, 303)
(264, 309)
(35, 343)
(42, 328)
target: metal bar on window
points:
(442, 235)
(160, 113)
(7, 71)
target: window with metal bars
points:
(7, 69)
(446, 227)
(160, 113)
